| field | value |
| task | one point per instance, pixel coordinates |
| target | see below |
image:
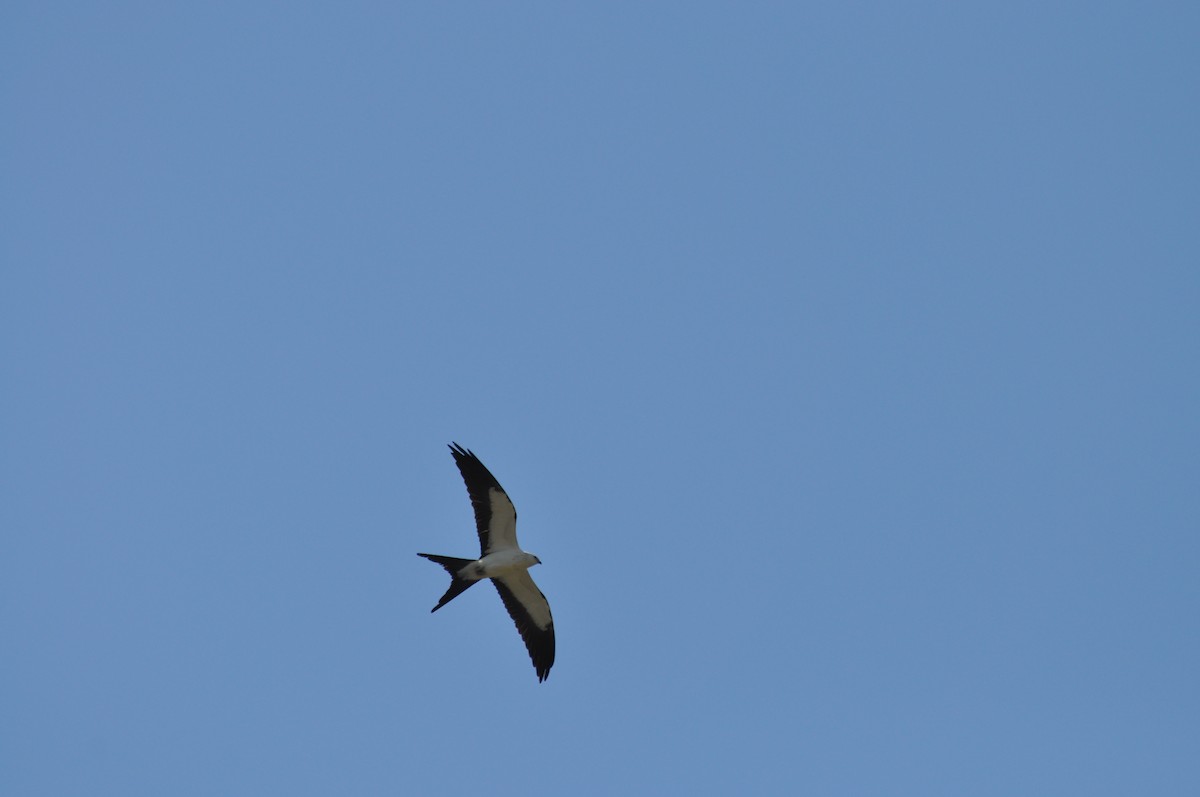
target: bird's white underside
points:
(499, 564)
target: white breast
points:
(507, 561)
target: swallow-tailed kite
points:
(501, 560)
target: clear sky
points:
(841, 360)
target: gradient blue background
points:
(841, 360)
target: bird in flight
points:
(501, 560)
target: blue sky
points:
(841, 360)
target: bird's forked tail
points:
(457, 585)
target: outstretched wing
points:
(530, 610)
(495, 515)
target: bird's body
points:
(500, 560)
(500, 564)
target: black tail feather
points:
(457, 585)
